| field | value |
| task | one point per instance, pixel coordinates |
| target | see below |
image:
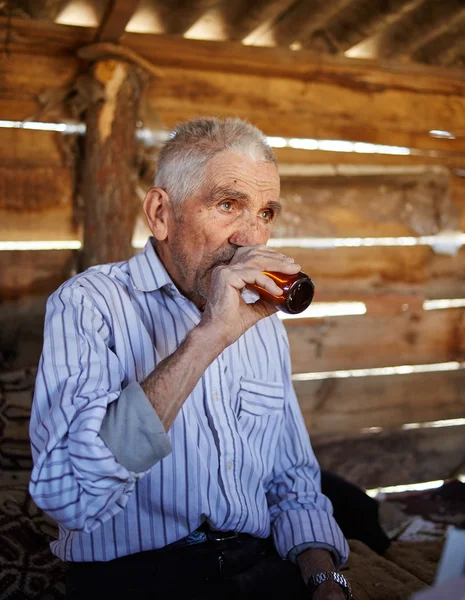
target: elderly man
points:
(167, 439)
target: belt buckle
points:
(221, 536)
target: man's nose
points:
(248, 234)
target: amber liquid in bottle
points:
(298, 291)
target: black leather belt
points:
(205, 534)
(230, 551)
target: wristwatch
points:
(319, 578)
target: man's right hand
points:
(226, 315)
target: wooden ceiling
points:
(404, 31)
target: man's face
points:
(235, 208)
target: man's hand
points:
(225, 312)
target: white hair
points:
(183, 158)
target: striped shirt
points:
(240, 454)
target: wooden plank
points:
(27, 273)
(34, 81)
(344, 273)
(355, 342)
(329, 109)
(283, 92)
(295, 156)
(351, 404)
(378, 206)
(117, 15)
(36, 203)
(45, 9)
(393, 458)
(32, 148)
(20, 110)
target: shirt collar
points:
(147, 271)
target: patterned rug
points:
(27, 567)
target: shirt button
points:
(216, 396)
(229, 465)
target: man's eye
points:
(267, 215)
(227, 206)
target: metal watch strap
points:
(319, 578)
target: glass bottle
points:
(298, 292)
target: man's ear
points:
(157, 209)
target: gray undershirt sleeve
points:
(133, 431)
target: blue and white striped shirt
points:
(241, 458)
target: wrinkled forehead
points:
(246, 175)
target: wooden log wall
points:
(38, 201)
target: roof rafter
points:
(44, 9)
(257, 18)
(407, 33)
(117, 15)
(445, 46)
(185, 13)
(302, 18)
(361, 19)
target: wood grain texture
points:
(355, 342)
(283, 92)
(357, 272)
(321, 106)
(36, 203)
(349, 405)
(24, 274)
(378, 206)
(24, 148)
(108, 169)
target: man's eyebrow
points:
(221, 193)
(276, 206)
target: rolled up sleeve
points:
(77, 479)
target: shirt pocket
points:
(260, 417)
(260, 398)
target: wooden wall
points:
(39, 200)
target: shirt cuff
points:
(296, 527)
(294, 552)
(133, 431)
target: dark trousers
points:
(246, 568)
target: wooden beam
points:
(29, 148)
(415, 27)
(329, 108)
(364, 341)
(362, 19)
(108, 174)
(294, 156)
(437, 25)
(392, 458)
(36, 203)
(358, 272)
(186, 13)
(367, 206)
(444, 47)
(45, 9)
(26, 274)
(348, 405)
(257, 18)
(304, 96)
(117, 15)
(301, 19)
